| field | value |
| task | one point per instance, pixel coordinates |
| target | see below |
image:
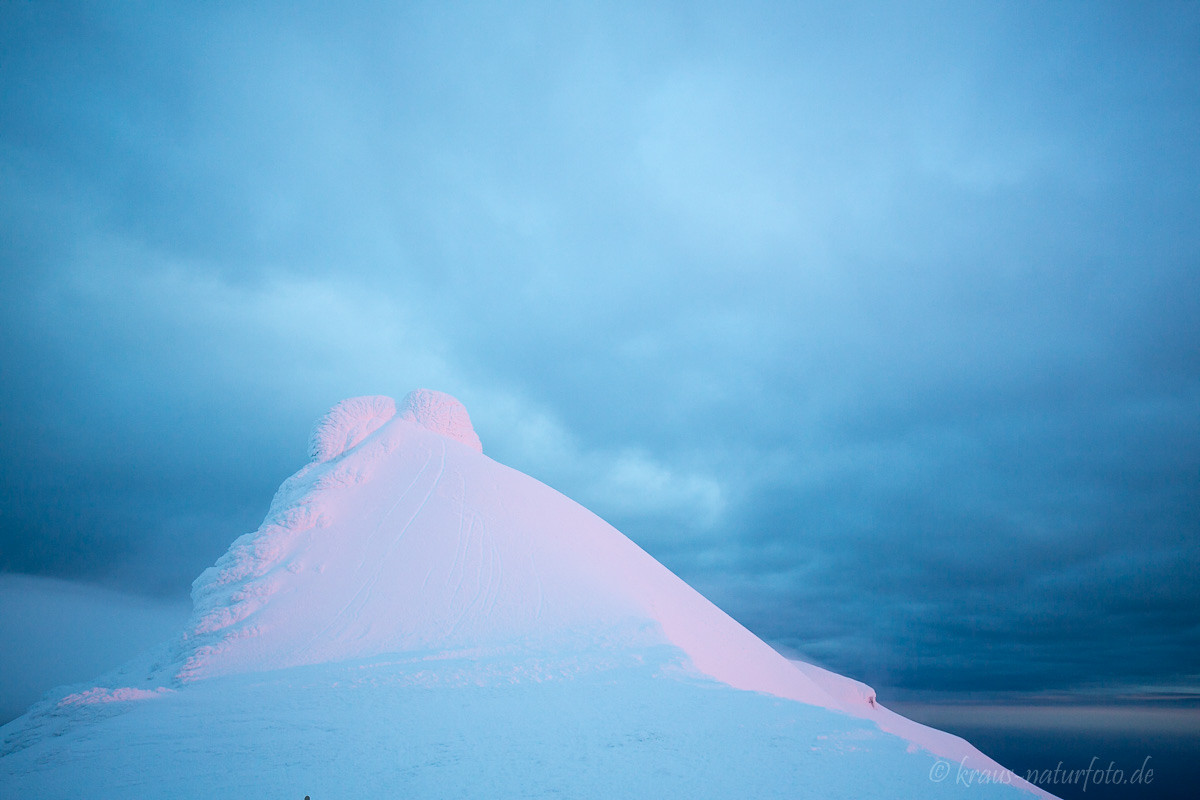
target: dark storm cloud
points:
(1009, 556)
(877, 324)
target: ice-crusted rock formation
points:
(351, 421)
(346, 424)
(400, 557)
(440, 413)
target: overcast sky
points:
(879, 324)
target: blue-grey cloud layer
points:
(894, 308)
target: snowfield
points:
(416, 620)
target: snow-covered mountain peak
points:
(398, 562)
(397, 539)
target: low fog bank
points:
(59, 632)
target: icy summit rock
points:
(350, 422)
(440, 413)
(344, 426)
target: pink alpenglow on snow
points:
(102, 695)
(401, 556)
(401, 536)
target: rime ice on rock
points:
(346, 424)
(440, 413)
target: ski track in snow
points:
(366, 551)
(428, 573)
(499, 562)
(370, 586)
(461, 551)
(538, 577)
(482, 590)
(375, 532)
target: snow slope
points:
(431, 614)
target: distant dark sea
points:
(1173, 753)
(1176, 775)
